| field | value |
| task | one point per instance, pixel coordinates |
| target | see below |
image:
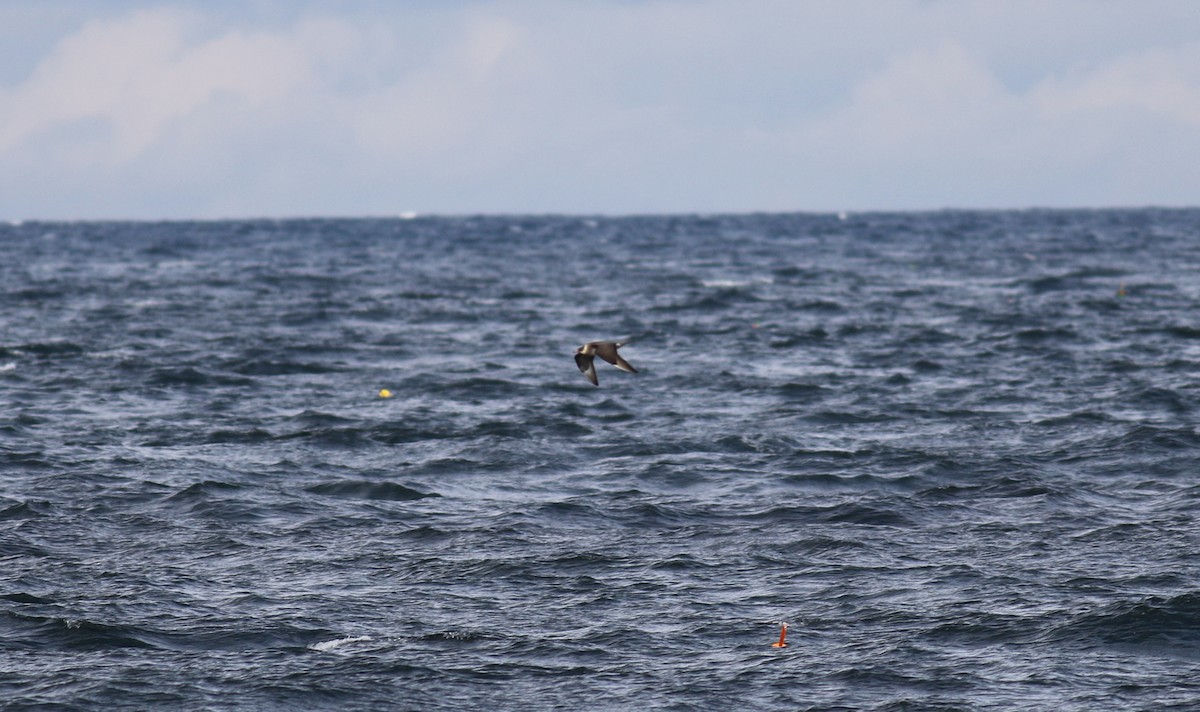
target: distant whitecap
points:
(331, 644)
(735, 283)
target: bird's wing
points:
(625, 365)
(586, 365)
(608, 352)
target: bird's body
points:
(607, 350)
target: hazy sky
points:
(142, 109)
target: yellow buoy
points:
(385, 393)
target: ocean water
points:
(956, 452)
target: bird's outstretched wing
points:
(585, 364)
(608, 352)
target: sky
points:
(136, 109)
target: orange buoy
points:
(782, 638)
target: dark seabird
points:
(606, 350)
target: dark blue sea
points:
(956, 452)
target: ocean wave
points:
(328, 645)
(1153, 626)
(361, 489)
(49, 350)
(70, 634)
(943, 445)
(26, 510)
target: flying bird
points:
(606, 350)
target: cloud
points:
(1162, 82)
(938, 127)
(157, 95)
(437, 107)
(138, 74)
(527, 105)
(924, 103)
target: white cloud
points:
(923, 102)
(436, 108)
(528, 105)
(142, 72)
(1164, 82)
(938, 128)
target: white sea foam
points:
(10, 366)
(331, 644)
(734, 283)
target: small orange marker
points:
(782, 638)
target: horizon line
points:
(417, 215)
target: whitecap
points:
(734, 283)
(331, 644)
(10, 366)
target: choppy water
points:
(957, 452)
